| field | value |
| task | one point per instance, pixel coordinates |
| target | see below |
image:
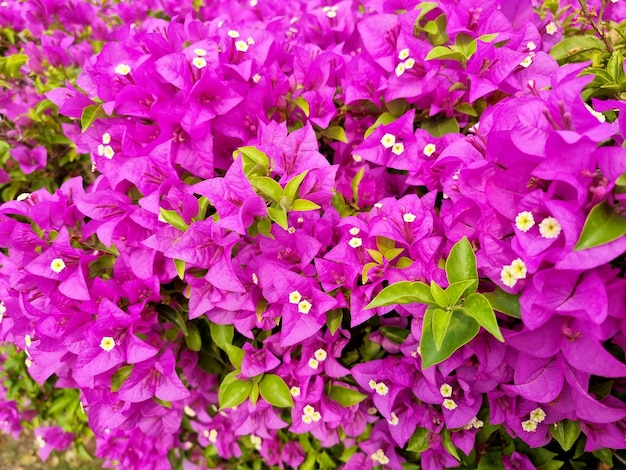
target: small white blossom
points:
(404, 54)
(382, 389)
(295, 297)
(108, 152)
(295, 391)
(529, 425)
(304, 306)
(518, 269)
(388, 140)
(256, 441)
(400, 69)
(189, 411)
(106, 138)
(551, 28)
(122, 69)
(538, 415)
(256, 78)
(507, 277)
(531, 46)
(357, 158)
(107, 343)
(398, 148)
(313, 363)
(57, 265)
(450, 404)
(22, 197)
(241, 46)
(355, 242)
(321, 355)
(445, 390)
(199, 62)
(549, 228)
(409, 63)
(255, 278)
(380, 457)
(354, 231)
(528, 60)
(429, 149)
(599, 116)
(409, 217)
(28, 341)
(291, 230)
(524, 221)
(199, 52)
(394, 419)
(233, 34)
(41, 443)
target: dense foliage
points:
(267, 234)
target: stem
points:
(594, 25)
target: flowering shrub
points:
(356, 235)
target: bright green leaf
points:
(442, 53)
(336, 133)
(333, 320)
(222, 335)
(180, 268)
(172, 218)
(253, 154)
(278, 215)
(89, 115)
(384, 119)
(448, 445)
(303, 105)
(455, 290)
(356, 180)
(268, 186)
(572, 44)
(235, 355)
(302, 205)
(439, 294)
(403, 292)
(234, 394)
(478, 307)
(603, 225)
(440, 320)
(346, 396)
(461, 264)
(461, 330)
(293, 185)
(604, 455)
(275, 391)
(120, 376)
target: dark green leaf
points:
(491, 461)
(346, 396)
(478, 307)
(448, 445)
(275, 391)
(419, 441)
(565, 432)
(604, 455)
(394, 333)
(504, 302)
(173, 316)
(403, 292)
(461, 330)
(438, 126)
(193, 338)
(603, 225)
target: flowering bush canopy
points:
(363, 234)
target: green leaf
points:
(235, 355)
(448, 445)
(268, 186)
(440, 320)
(504, 302)
(424, 8)
(565, 48)
(302, 205)
(461, 264)
(384, 119)
(172, 218)
(193, 338)
(377, 256)
(442, 53)
(253, 154)
(278, 215)
(438, 126)
(356, 180)
(275, 391)
(234, 393)
(565, 432)
(254, 393)
(336, 133)
(466, 43)
(10, 66)
(487, 37)
(89, 115)
(180, 268)
(621, 181)
(333, 320)
(615, 66)
(394, 333)
(461, 330)
(292, 187)
(403, 292)
(478, 307)
(419, 441)
(604, 455)
(603, 225)
(173, 316)
(345, 396)
(303, 105)
(466, 108)
(491, 461)
(120, 376)
(439, 294)
(455, 290)
(222, 335)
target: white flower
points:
(107, 343)
(445, 390)
(256, 78)
(295, 391)
(388, 140)
(355, 242)
(106, 138)
(357, 158)
(304, 306)
(394, 419)
(41, 443)
(518, 269)
(295, 297)
(408, 217)
(400, 68)
(531, 46)
(551, 28)
(404, 54)
(189, 411)
(524, 221)
(507, 277)
(528, 60)
(314, 363)
(256, 441)
(122, 69)
(549, 227)
(233, 34)
(382, 389)
(241, 46)
(409, 63)
(380, 457)
(199, 52)
(321, 355)
(429, 149)
(255, 278)
(529, 425)
(28, 341)
(199, 62)
(537, 415)
(450, 404)
(398, 148)
(57, 265)
(108, 152)
(354, 231)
